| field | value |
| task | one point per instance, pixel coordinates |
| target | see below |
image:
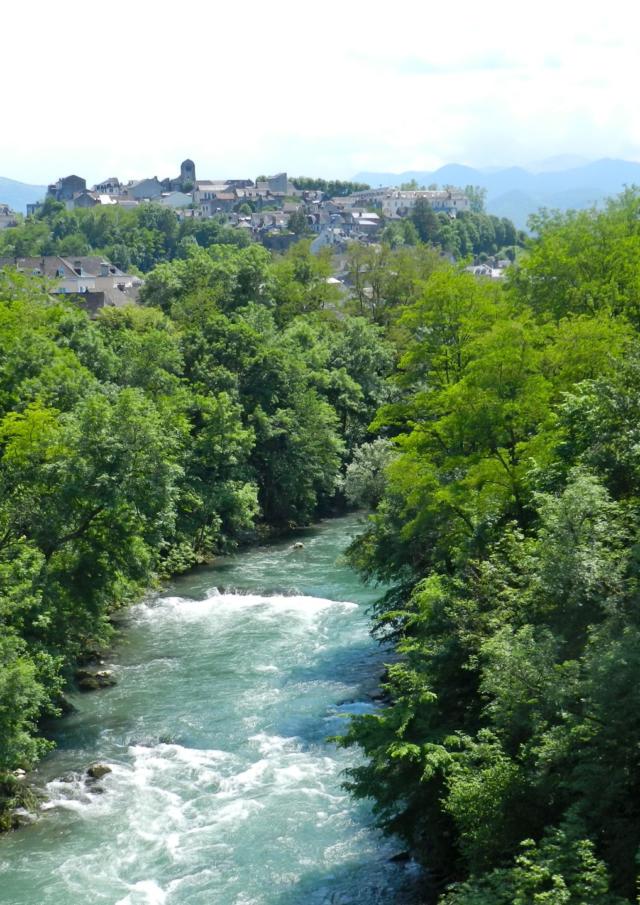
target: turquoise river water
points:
(224, 789)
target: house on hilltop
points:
(86, 199)
(144, 189)
(92, 199)
(215, 197)
(66, 187)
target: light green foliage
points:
(477, 197)
(507, 754)
(331, 188)
(484, 789)
(560, 870)
(365, 479)
(397, 234)
(231, 276)
(21, 699)
(584, 261)
(348, 366)
(298, 223)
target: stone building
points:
(144, 189)
(66, 187)
(8, 217)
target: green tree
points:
(477, 196)
(425, 220)
(297, 222)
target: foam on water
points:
(182, 609)
(146, 892)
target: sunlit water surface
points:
(224, 790)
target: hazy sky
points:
(130, 87)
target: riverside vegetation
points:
(508, 753)
(494, 427)
(150, 438)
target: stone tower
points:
(188, 173)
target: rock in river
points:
(97, 771)
(90, 681)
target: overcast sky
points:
(130, 88)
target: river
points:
(224, 789)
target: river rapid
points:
(224, 789)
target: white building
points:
(398, 203)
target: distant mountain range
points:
(516, 192)
(18, 194)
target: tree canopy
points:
(506, 754)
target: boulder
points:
(298, 545)
(90, 681)
(97, 771)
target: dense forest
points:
(507, 755)
(493, 428)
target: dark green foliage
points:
(298, 223)
(143, 441)
(471, 232)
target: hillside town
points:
(272, 209)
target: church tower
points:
(188, 174)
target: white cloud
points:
(130, 88)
